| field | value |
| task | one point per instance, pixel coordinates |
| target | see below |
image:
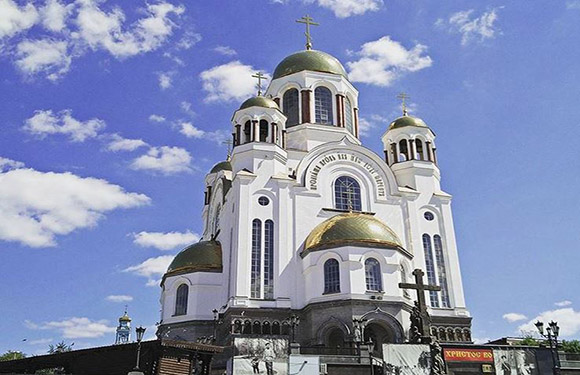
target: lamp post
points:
(140, 332)
(551, 333)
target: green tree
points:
(571, 346)
(61, 347)
(528, 340)
(12, 355)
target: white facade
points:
(296, 168)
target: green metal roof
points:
(351, 229)
(221, 166)
(260, 101)
(204, 256)
(317, 61)
(407, 121)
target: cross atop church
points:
(403, 96)
(307, 20)
(259, 76)
(424, 329)
(229, 143)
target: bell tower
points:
(123, 329)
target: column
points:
(435, 155)
(274, 130)
(255, 130)
(284, 139)
(394, 151)
(428, 150)
(356, 122)
(411, 149)
(238, 140)
(306, 106)
(339, 111)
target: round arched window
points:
(263, 201)
(429, 216)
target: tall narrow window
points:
(181, 299)
(255, 283)
(403, 150)
(347, 194)
(269, 259)
(441, 270)
(263, 131)
(431, 278)
(290, 102)
(331, 276)
(419, 149)
(323, 105)
(348, 122)
(373, 275)
(247, 132)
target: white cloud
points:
(225, 50)
(559, 304)
(75, 327)
(472, 28)
(46, 56)
(16, 19)
(156, 118)
(347, 8)
(481, 341)
(384, 60)
(102, 30)
(152, 268)
(191, 131)
(231, 81)
(567, 318)
(164, 241)
(573, 4)
(165, 80)
(40, 342)
(119, 298)
(44, 123)
(514, 317)
(6, 164)
(36, 206)
(54, 15)
(119, 143)
(164, 159)
(188, 40)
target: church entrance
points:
(378, 335)
(335, 338)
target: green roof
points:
(260, 101)
(313, 60)
(221, 166)
(352, 228)
(204, 256)
(407, 121)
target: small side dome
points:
(125, 318)
(204, 256)
(260, 101)
(317, 61)
(407, 120)
(351, 229)
(221, 166)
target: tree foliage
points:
(61, 347)
(12, 355)
(571, 346)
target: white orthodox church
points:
(304, 220)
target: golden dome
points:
(204, 256)
(351, 228)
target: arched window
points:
(276, 328)
(348, 121)
(266, 328)
(263, 131)
(331, 276)
(269, 259)
(290, 102)
(181, 299)
(419, 149)
(347, 194)
(256, 328)
(373, 275)
(247, 328)
(323, 105)
(255, 283)
(403, 150)
(248, 132)
(430, 266)
(441, 271)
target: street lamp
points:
(140, 332)
(552, 332)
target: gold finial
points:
(403, 96)
(307, 20)
(260, 77)
(229, 143)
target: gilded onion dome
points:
(313, 60)
(204, 256)
(125, 318)
(260, 101)
(356, 229)
(221, 166)
(407, 120)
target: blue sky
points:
(112, 112)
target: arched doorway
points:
(335, 338)
(378, 335)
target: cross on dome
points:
(307, 20)
(260, 77)
(403, 96)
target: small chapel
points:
(307, 232)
